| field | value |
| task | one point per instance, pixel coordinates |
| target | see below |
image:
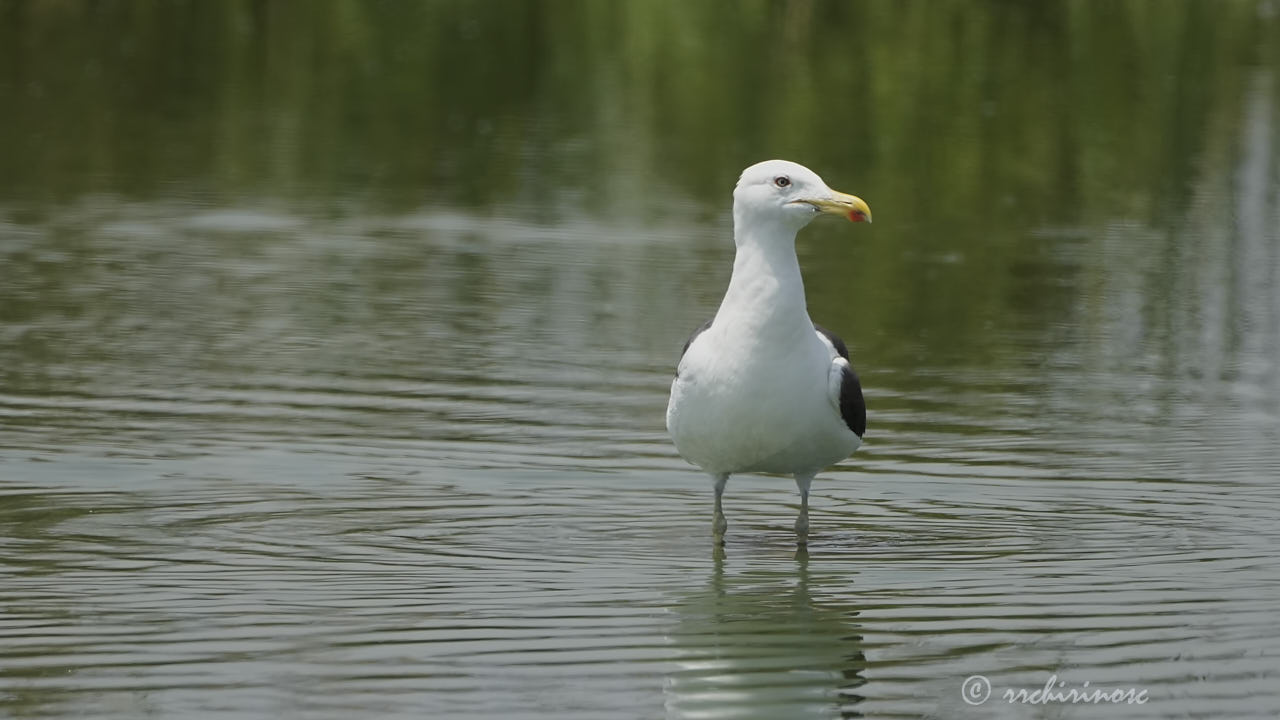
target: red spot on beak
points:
(857, 216)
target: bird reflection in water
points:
(755, 644)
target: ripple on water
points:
(302, 481)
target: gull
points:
(760, 388)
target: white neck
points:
(766, 292)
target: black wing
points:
(701, 328)
(835, 340)
(852, 406)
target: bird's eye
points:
(782, 181)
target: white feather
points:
(759, 390)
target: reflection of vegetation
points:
(937, 101)
(36, 544)
(963, 123)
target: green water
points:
(335, 340)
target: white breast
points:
(736, 408)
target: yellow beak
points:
(844, 205)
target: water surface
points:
(333, 363)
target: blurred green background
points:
(963, 111)
(976, 130)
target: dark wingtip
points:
(853, 408)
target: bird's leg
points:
(718, 524)
(802, 522)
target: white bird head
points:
(790, 195)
